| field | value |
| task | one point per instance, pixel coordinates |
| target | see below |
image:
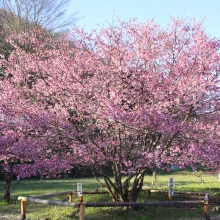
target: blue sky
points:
(99, 12)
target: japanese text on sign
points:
(171, 186)
(79, 189)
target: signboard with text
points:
(171, 186)
(79, 189)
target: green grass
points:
(184, 181)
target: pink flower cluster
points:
(134, 94)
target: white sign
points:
(171, 186)
(79, 189)
(170, 180)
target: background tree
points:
(26, 148)
(128, 98)
(25, 15)
(22, 16)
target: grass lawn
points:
(183, 181)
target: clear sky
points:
(99, 12)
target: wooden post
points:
(81, 198)
(23, 209)
(206, 207)
(70, 197)
(170, 197)
(81, 211)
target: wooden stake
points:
(82, 211)
(169, 196)
(23, 209)
(206, 207)
(70, 197)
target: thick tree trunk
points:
(137, 187)
(119, 188)
(7, 187)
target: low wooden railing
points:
(82, 205)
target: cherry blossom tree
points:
(25, 151)
(128, 98)
(25, 15)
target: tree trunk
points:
(137, 187)
(119, 188)
(7, 187)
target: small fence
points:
(82, 205)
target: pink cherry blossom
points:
(128, 98)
